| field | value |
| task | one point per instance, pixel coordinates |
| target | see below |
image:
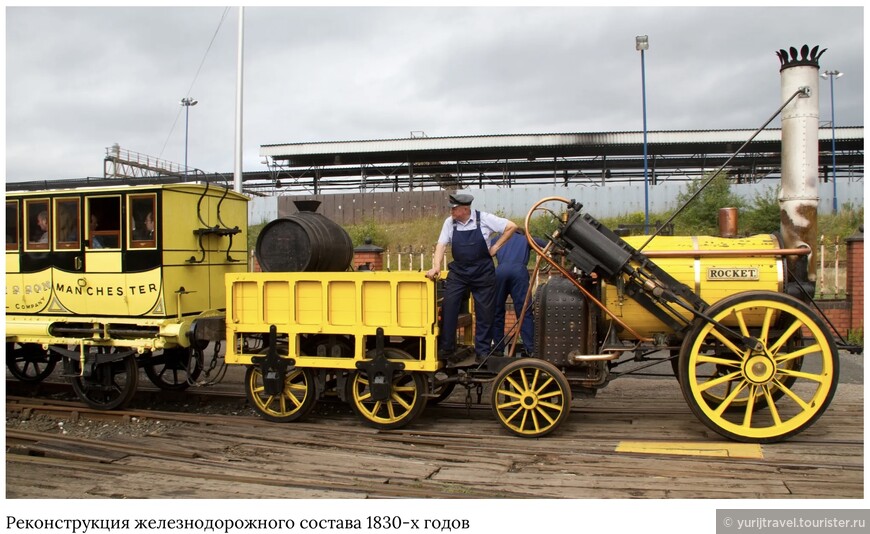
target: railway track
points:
(614, 446)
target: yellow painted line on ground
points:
(691, 448)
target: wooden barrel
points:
(304, 241)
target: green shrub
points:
(367, 230)
(762, 216)
(701, 215)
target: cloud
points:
(81, 79)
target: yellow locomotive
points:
(754, 363)
(110, 279)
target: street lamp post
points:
(833, 75)
(641, 43)
(187, 102)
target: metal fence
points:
(830, 279)
(831, 273)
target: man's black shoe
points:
(460, 356)
(445, 354)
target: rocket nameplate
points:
(732, 273)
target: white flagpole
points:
(237, 174)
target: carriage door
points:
(103, 234)
(67, 234)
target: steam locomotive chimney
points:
(799, 197)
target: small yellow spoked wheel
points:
(531, 397)
(765, 393)
(407, 396)
(295, 401)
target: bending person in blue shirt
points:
(512, 278)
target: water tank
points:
(304, 241)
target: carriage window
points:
(11, 225)
(37, 223)
(142, 221)
(104, 222)
(67, 218)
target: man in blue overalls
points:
(472, 269)
(512, 278)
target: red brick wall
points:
(839, 312)
(361, 258)
(855, 280)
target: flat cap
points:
(460, 200)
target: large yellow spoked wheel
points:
(295, 401)
(531, 397)
(765, 393)
(406, 399)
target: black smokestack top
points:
(807, 58)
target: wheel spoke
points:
(750, 407)
(718, 361)
(514, 414)
(535, 422)
(554, 393)
(551, 406)
(765, 325)
(545, 384)
(297, 402)
(525, 381)
(503, 405)
(729, 378)
(290, 387)
(771, 405)
(786, 336)
(788, 356)
(516, 386)
(727, 342)
(729, 399)
(793, 396)
(741, 322)
(400, 401)
(802, 374)
(509, 393)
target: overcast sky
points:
(80, 79)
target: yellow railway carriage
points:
(111, 278)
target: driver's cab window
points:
(103, 228)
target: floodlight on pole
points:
(187, 102)
(642, 43)
(833, 75)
